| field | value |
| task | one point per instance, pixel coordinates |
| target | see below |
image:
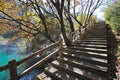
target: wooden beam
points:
(5, 67)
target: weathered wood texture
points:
(86, 59)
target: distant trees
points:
(87, 8)
(112, 16)
(80, 18)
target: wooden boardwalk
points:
(86, 59)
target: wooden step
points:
(43, 76)
(80, 51)
(92, 36)
(52, 75)
(86, 54)
(84, 67)
(92, 40)
(89, 49)
(70, 72)
(88, 61)
(89, 38)
(91, 43)
(90, 46)
(99, 33)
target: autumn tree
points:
(39, 17)
(22, 17)
(45, 8)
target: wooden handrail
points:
(12, 64)
(38, 64)
(36, 53)
(81, 32)
(75, 31)
(5, 67)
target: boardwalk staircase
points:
(86, 59)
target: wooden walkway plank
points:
(89, 49)
(86, 54)
(84, 67)
(75, 58)
(52, 75)
(70, 72)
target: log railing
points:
(80, 33)
(12, 64)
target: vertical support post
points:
(13, 70)
(89, 26)
(61, 48)
(90, 23)
(80, 33)
(70, 36)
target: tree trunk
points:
(67, 41)
(71, 24)
(59, 7)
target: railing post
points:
(80, 33)
(61, 48)
(70, 36)
(13, 70)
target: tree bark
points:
(59, 7)
(67, 41)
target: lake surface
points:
(5, 57)
(6, 54)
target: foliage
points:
(112, 16)
(86, 9)
(48, 18)
(81, 17)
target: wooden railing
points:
(80, 33)
(12, 64)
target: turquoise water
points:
(4, 58)
(10, 53)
